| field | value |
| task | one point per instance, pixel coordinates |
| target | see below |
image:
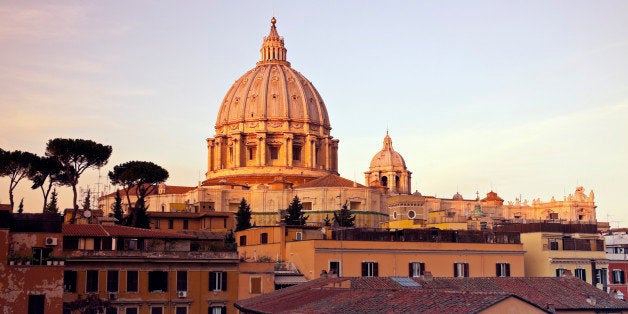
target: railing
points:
(547, 227)
(427, 235)
(154, 255)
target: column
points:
(210, 154)
(218, 151)
(261, 150)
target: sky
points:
(526, 98)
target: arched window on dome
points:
(397, 181)
(384, 181)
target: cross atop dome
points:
(273, 49)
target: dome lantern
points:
(273, 49)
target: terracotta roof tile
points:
(330, 180)
(94, 230)
(439, 295)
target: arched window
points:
(384, 181)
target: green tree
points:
(45, 173)
(87, 203)
(294, 213)
(16, 165)
(76, 156)
(343, 217)
(117, 208)
(143, 177)
(327, 221)
(20, 208)
(243, 216)
(52, 206)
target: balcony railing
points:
(80, 254)
(427, 235)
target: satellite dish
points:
(87, 214)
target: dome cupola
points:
(388, 169)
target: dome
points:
(387, 158)
(273, 95)
(457, 196)
(272, 122)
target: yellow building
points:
(378, 252)
(551, 249)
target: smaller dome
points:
(387, 158)
(417, 193)
(457, 197)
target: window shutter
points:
(410, 270)
(621, 276)
(364, 270)
(466, 269)
(557, 272)
(422, 269)
(455, 270)
(212, 281)
(498, 270)
(224, 281)
(375, 269)
(508, 270)
(223, 310)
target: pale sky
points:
(524, 98)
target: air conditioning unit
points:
(113, 296)
(182, 294)
(51, 241)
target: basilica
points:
(273, 142)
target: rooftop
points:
(448, 295)
(94, 230)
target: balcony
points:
(157, 255)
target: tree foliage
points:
(76, 156)
(344, 217)
(52, 206)
(45, 172)
(16, 165)
(294, 213)
(117, 208)
(20, 208)
(243, 216)
(87, 203)
(143, 177)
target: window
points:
(411, 214)
(560, 272)
(157, 221)
(217, 310)
(40, 255)
(416, 269)
(618, 276)
(601, 275)
(581, 273)
(243, 240)
(185, 224)
(502, 270)
(182, 280)
(274, 152)
(256, 285)
(553, 216)
(112, 281)
(157, 310)
(553, 245)
(92, 281)
(370, 269)
(217, 281)
(157, 281)
(131, 281)
(394, 215)
(181, 310)
(36, 303)
(263, 238)
(111, 310)
(131, 310)
(334, 268)
(251, 151)
(296, 153)
(299, 236)
(69, 281)
(461, 269)
(170, 224)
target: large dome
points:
(273, 93)
(272, 122)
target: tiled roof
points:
(443, 295)
(173, 189)
(170, 189)
(330, 180)
(94, 230)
